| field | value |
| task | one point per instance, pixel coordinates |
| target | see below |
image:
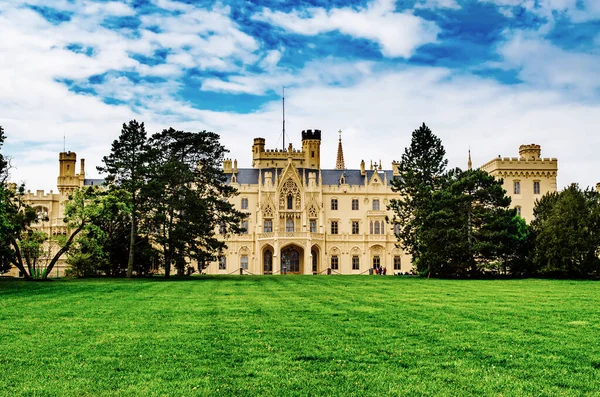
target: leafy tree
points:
(102, 247)
(421, 170)
(566, 232)
(127, 166)
(186, 197)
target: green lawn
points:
(299, 335)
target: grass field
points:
(299, 335)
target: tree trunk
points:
(61, 251)
(19, 262)
(131, 247)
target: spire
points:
(339, 161)
(470, 163)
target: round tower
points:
(311, 147)
(67, 182)
(530, 152)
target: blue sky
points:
(484, 74)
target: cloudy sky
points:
(484, 74)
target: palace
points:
(306, 220)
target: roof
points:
(93, 182)
(249, 176)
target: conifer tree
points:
(421, 169)
(127, 167)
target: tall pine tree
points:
(421, 169)
(127, 167)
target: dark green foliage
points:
(566, 229)
(186, 197)
(127, 165)
(421, 169)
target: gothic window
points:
(334, 227)
(536, 187)
(289, 225)
(244, 203)
(517, 187)
(289, 193)
(312, 212)
(334, 204)
(313, 226)
(268, 226)
(244, 262)
(355, 204)
(335, 262)
(355, 262)
(375, 204)
(222, 262)
(355, 227)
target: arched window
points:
(289, 225)
(268, 261)
(290, 202)
(377, 229)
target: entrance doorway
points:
(290, 260)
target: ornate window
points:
(244, 262)
(355, 229)
(244, 203)
(313, 225)
(334, 227)
(334, 204)
(517, 187)
(312, 212)
(268, 226)
(536, 187)
(377, 228)
(335, 262)
(375, 204)
(289, 225)
(355, 262)
(371, 228)
(355, 204)
(289, 195)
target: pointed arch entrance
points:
(316, 259)
(291, 259)
(267, 260)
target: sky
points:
(484, 75)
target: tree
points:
(186, 197)
(566, 232)
(127, 166)
(421, 169)
(102, 248)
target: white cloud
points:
(576, 10)
(398, 34)
(452, 4)
(543, 64)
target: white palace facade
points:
(306, 220)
